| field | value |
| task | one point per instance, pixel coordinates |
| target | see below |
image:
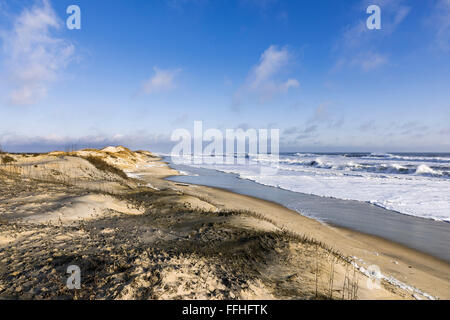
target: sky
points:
(137, 70)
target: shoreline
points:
(429, 235)
(407, 265)
(326, 224)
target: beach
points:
(407, 265)
(422, 234)
(137, 235)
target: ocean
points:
(416, 184)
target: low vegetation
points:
(7, 159)
(101, 164)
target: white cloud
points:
(162, 80)
(441, 22)
(34, 56)
(263, 81)
(290, 83)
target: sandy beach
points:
(135, 235)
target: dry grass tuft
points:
(101, 164)
(7, 159)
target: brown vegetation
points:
(102, 165)
(7, 159)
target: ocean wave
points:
(426, 170)
(371, 167)
(340, 163)
(406, 157)
(376, 156)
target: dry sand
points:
(142, 237)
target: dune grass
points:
(101, 164)
(7, 159)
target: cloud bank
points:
(13, 142)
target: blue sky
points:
(139, 69)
